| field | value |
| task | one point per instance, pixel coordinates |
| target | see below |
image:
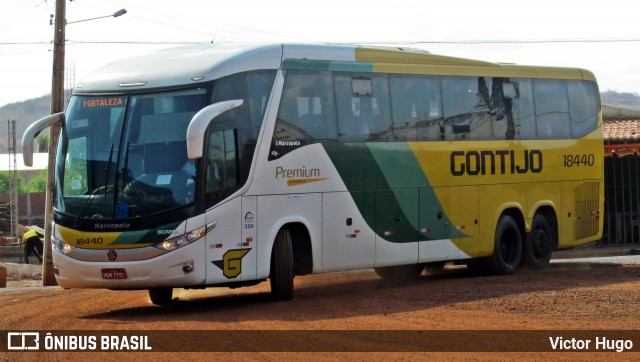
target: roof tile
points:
(621, 130)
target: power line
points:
(29, 49)
(495, 41)
(394, 42)
(133, 42)
(25, 43)
(196, 25)
(15, 18)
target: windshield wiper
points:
(127, 174)
(78, 221)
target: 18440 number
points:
(579, 160)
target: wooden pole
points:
(57, 105)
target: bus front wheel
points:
(282, 272)
(161, 296)
(507, 249)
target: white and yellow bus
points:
(227, 165)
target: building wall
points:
(622, 201)
(35, 217)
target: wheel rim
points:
(508, 248)
(540, 243)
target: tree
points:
(39, 182)
(5, 182)
(43, 143)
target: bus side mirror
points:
(33, 131)
(200, 122)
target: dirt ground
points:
(577, 295)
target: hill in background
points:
(25, 113)
(616, 105)
(621, 100)
(609, 112)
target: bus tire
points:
(282, 272)
(507, 248)
(410, 271)
(161, 296)
(539, 243)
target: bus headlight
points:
(61, 246)
(180, 241)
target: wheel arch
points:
(300, 242)
(515, 211)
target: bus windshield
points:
(124, 157)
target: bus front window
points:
(125, 157)
(86, 166)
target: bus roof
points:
(203, 62)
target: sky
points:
(602, 36)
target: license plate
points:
(115, 273)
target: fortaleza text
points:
(598, 344)
(102, 102)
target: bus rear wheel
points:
(507, 249)
(539, 243)
(282, 272)
(161, 296)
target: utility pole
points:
(13, 181)
(57, 105)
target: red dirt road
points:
(566, 296)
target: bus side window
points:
(306, 109)
(523, 110)
(466, 107)
(362, 102)
(416, 107)
(253, 88)
(552, 108)
(583, 107)
(222, 168)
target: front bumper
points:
(166, 270)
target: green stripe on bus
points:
(403, 173)
(404, 177)
(390, 190)
(317, 65)
(144, 237)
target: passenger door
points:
(228, 247)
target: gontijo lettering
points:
(503, 162)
